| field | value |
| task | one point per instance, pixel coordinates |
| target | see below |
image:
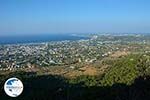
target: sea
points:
(20, 39)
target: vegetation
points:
(128, 78)
(123, 71)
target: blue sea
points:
(38, 38)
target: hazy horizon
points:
(73, 16)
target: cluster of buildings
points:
(59, 53)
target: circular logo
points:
(13, 87)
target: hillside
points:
(128, 78)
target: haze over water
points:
(38, 38)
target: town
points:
(69, 53)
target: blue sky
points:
(74, 16)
